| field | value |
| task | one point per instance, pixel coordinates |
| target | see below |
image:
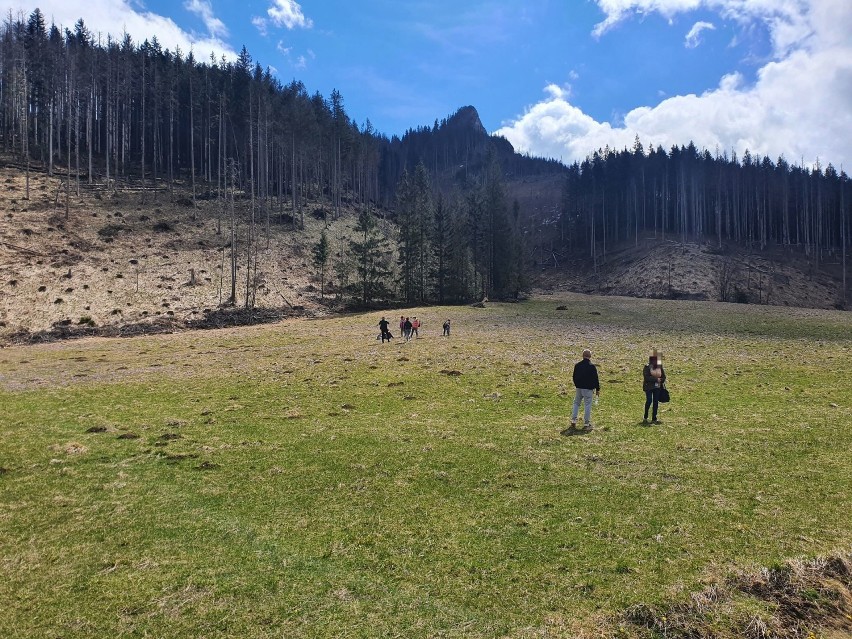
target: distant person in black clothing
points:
(406, 329)
(383, 327)
(653, 379)
(447, 328)
(586, 381)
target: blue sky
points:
(557, 78)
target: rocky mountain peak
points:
(467, 118)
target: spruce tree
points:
(320, 257)
(370, 251)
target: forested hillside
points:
(124, 114)
(444, 214)
(688, 195)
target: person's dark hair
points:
(652, 359)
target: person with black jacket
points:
(385, 333)
(588, 385)
(653, 379)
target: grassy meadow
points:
(304, 480)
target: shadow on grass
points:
(571, 431)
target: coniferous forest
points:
(695, 195)
(118, 114)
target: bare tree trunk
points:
(843, 228)
(220, 163)
(27, 149)
(27, 153)
(301, 189)
(171, 167)
(251, 227)
(233, 299)
(221, 275)
(77, 140)
(266, 170)
(207, 142)
(50, 145)
(142, 90)
(25, 142)
(89, 128)
(283, 178)
(107, 117)
(192, 144)
(156, 141)
(293, 176)
(68, 157)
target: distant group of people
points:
(409, 328)
(585, 376)
(588, 389)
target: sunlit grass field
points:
(305, 480)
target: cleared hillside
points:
(660, 268)
(117, 260)
(123, 261)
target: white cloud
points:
(557, 91)
(261, 25)
(693, 38)
(787, 20)
(288, 13)
(800, 105)
(618, 10)
(114, 17)
(204, 10)
(300, 61)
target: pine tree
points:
(320, 258)
(407, 249)
(370, 252)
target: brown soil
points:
(123, 262)
(659, 268)
(801, 599)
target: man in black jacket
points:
(383, 327)
(587, 383)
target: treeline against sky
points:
(123, 110)
(127, 111)
(690, 195)
(119, 112)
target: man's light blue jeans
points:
(586, 396)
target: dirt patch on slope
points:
(130, 262)
(673, 270)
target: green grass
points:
(303, 479)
